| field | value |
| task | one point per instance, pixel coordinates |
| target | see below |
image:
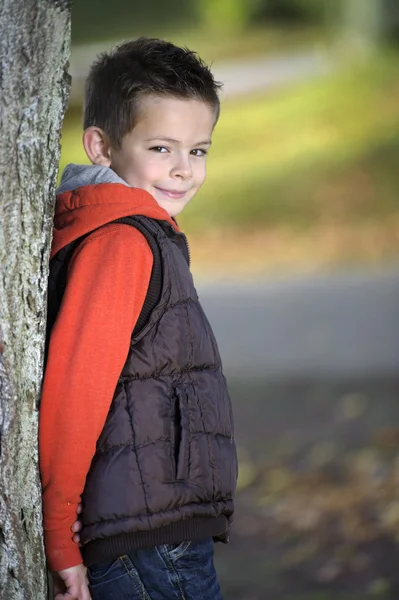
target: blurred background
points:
(295, 246)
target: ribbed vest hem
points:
(107, 549)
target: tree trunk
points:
(34, 87)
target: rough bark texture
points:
(34, 53)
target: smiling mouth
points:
(172, 193)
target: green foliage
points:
(318, 11)
(232, 15)
(94, 20)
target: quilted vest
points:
(165, 467)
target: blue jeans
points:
(183, 572)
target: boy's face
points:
(165, 153)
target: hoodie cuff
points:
(61, 554)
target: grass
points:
(276, 158)
(319, 158)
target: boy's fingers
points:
(77, 593)
(79, 508)
(58, 589)
(58, 586)
(77, 526)
(76, 538)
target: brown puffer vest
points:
(165, 467)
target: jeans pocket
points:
(175, 552)
(105, 571)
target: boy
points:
(135, 417)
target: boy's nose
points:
(182, 168)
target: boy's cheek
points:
(201, 177)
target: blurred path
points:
(251, 75)
(318, 326)
(239, 76)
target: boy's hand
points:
(71, 584)
(77, 526)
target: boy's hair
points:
(118, 80)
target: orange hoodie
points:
(89, 342)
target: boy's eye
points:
(199, 152)
(161, 149)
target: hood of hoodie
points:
(90, 196)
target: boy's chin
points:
(173, 209)
(174, 213)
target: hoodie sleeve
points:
(107, 285)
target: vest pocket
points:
(180, 434)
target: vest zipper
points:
(185, 248)
(188, 250)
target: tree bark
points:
(34, 87)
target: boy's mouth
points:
(172, 193)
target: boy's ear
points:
(97, 146)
